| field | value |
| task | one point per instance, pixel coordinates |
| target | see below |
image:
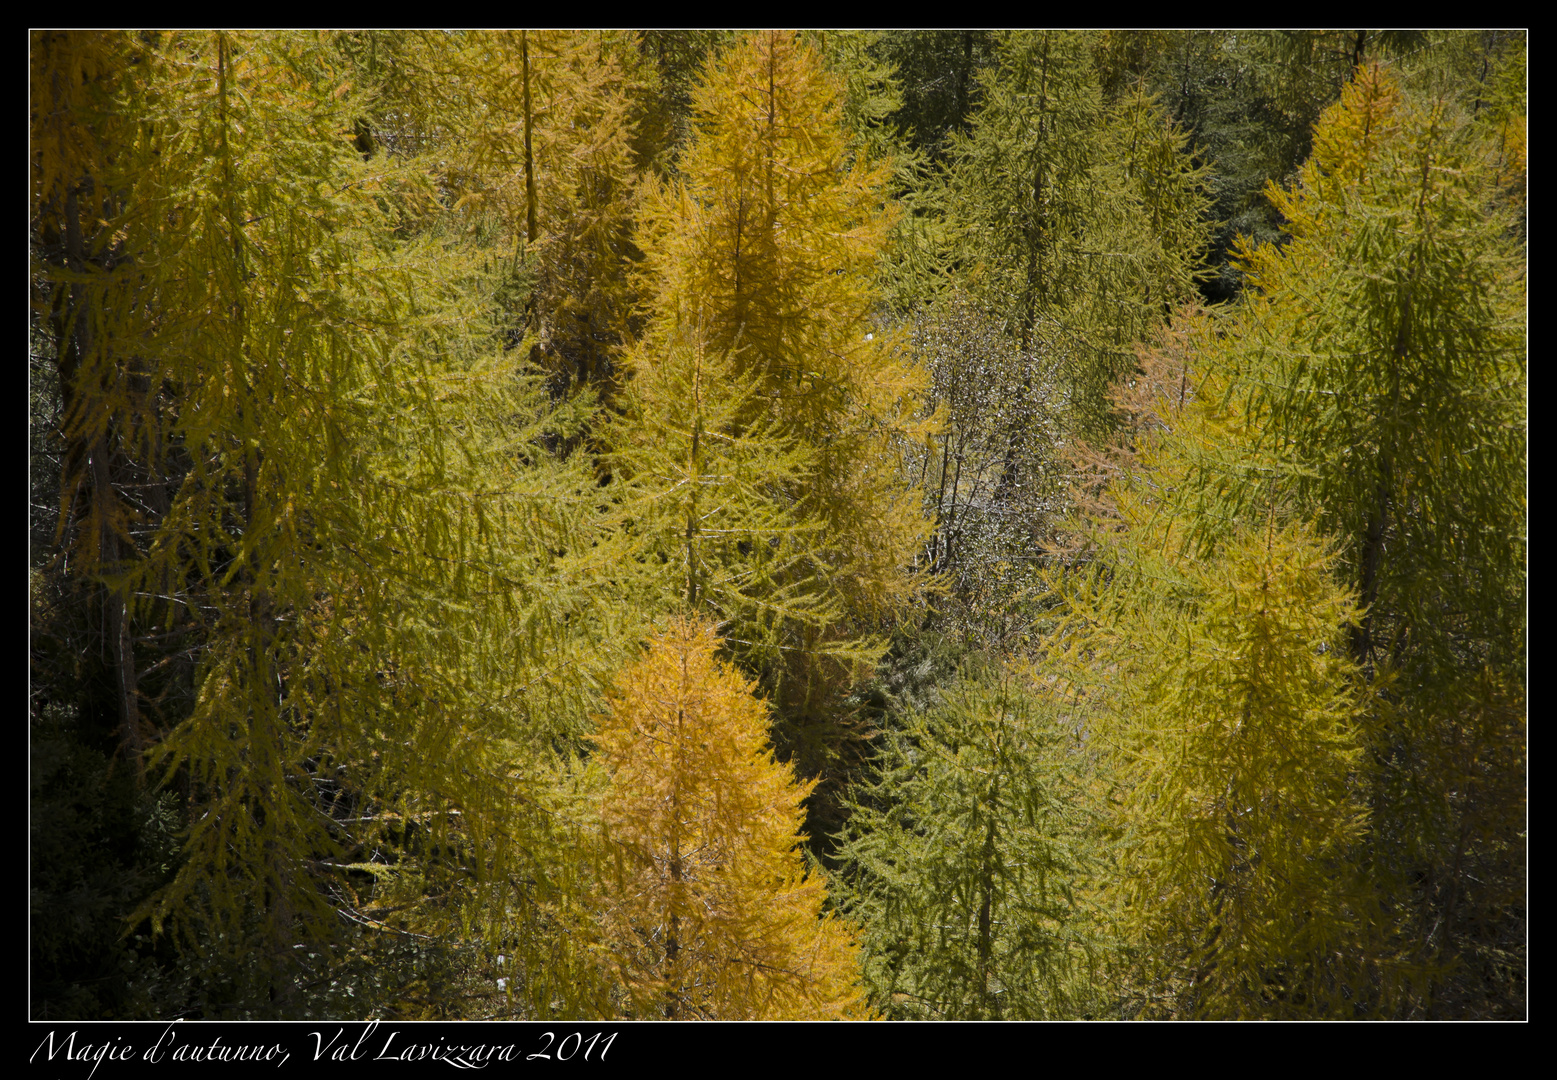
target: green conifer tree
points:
(1234, 730)
(703, 478)
(1083, 222)
(1240, 736)
(1384, 354)
(967, 858)
(1370, 383)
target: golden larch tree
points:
(708, 908)
(764, 409)
(765, 248)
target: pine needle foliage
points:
(1369, 388)
(701, 499)
(529, 135)
(1240, 737)
(1235, 732)
(1081, 221)
(709, 910)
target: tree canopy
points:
(704, 524)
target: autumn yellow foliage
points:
(708, 908)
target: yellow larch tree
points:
(762, 370)
(532, 132)
(708, 910)
(313, 502)
(766, 246)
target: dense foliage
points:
(708, 910)
(694, 524)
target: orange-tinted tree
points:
(708, 908)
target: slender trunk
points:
(116, 615)
(946, 551)
(694, 470)
(1037, 238)
(529, 159)
(986, 904)
(673, 923)
(1370, 558)
(265, 726)
(88, 463)
(962, 79)
(940, 506)
(772, 135)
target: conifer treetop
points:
(709, 910)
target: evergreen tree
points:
(533, 139)
(709, 910)
(768, 245)
(1081, 221)
(1372, 384)
(1236, 729)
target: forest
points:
(673, 525)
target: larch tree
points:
(703, 476)
(1233, 729)
(379, 407)
(1080, 220)
(346, 490)
(1076, 227)
(938, 72)
(767, 246)
(758, 266)
(968, 856)
(534, 140)
(585, 196)
(1238, 736)
(1344, 455)
(76, 133)
(1384, 350)
(669, 63)
(708, 909)
(100, 843)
